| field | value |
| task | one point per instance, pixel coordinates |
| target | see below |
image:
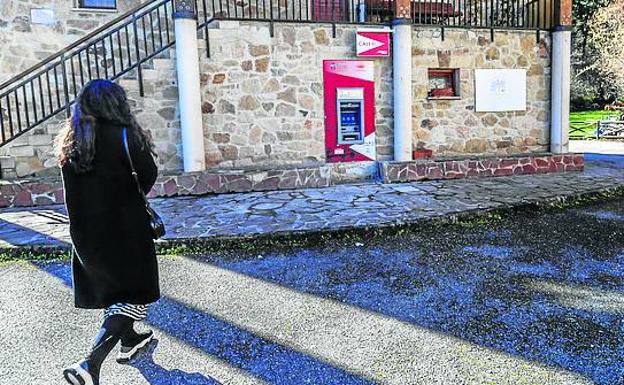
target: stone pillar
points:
(560, 95)
(402, 80)
(187, 62)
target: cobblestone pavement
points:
(333, 208)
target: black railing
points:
(122, 46)
(499, 14)
(310, 11)
(118, 48)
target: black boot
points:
(80, 374)
(87, 371)
(132, 343)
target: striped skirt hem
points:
(136, 312)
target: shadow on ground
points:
(157, 375)
(608, 160)
(264, 359)
(544, 287)
(43, 227)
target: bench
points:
(610, 129)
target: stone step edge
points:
(302, 238)
(524, 164)
(47, 191)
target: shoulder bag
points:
(156, 223)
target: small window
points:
(443, 84)
(98, 4)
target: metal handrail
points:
(78, 42)
(113, 50)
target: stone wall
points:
(263, 95)
(25, 44)
(47, 191)
(157, 112)
(452, 127)
(263, 101)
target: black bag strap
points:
(134, 173)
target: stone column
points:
(187, 62)
(402, 80)
(560, 96)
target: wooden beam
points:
(402, 9)
(563, 16)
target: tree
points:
(588, 84)
(583, 11)
(606, 32)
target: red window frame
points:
(451, 77)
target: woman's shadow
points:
(157, 375)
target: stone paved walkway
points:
(334, 208)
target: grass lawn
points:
(583, 123)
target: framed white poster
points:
(42, 16)
(499, 90)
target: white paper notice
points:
(42, 16)
(500, 90)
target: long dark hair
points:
(99, 101)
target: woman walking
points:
(114, 265)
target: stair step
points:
(159, 64)
(164, 54)
(129, 84)
(158, 74)
(7, 162)
(54, 127)
(224, 24)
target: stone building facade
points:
(262, 93)
(452, 127)
(263, 96)
(25, 43)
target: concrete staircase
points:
(143, 38)
(33, 153)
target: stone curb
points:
(433, 169)
(46, 191)
(310, 237)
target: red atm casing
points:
(349, 74)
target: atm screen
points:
(350, 118)
(350, 130)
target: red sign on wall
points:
(372, 42)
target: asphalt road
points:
(537, 298)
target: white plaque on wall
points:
(42, 16)
(500, 90)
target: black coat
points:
(114, 259)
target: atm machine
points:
(349, 110)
